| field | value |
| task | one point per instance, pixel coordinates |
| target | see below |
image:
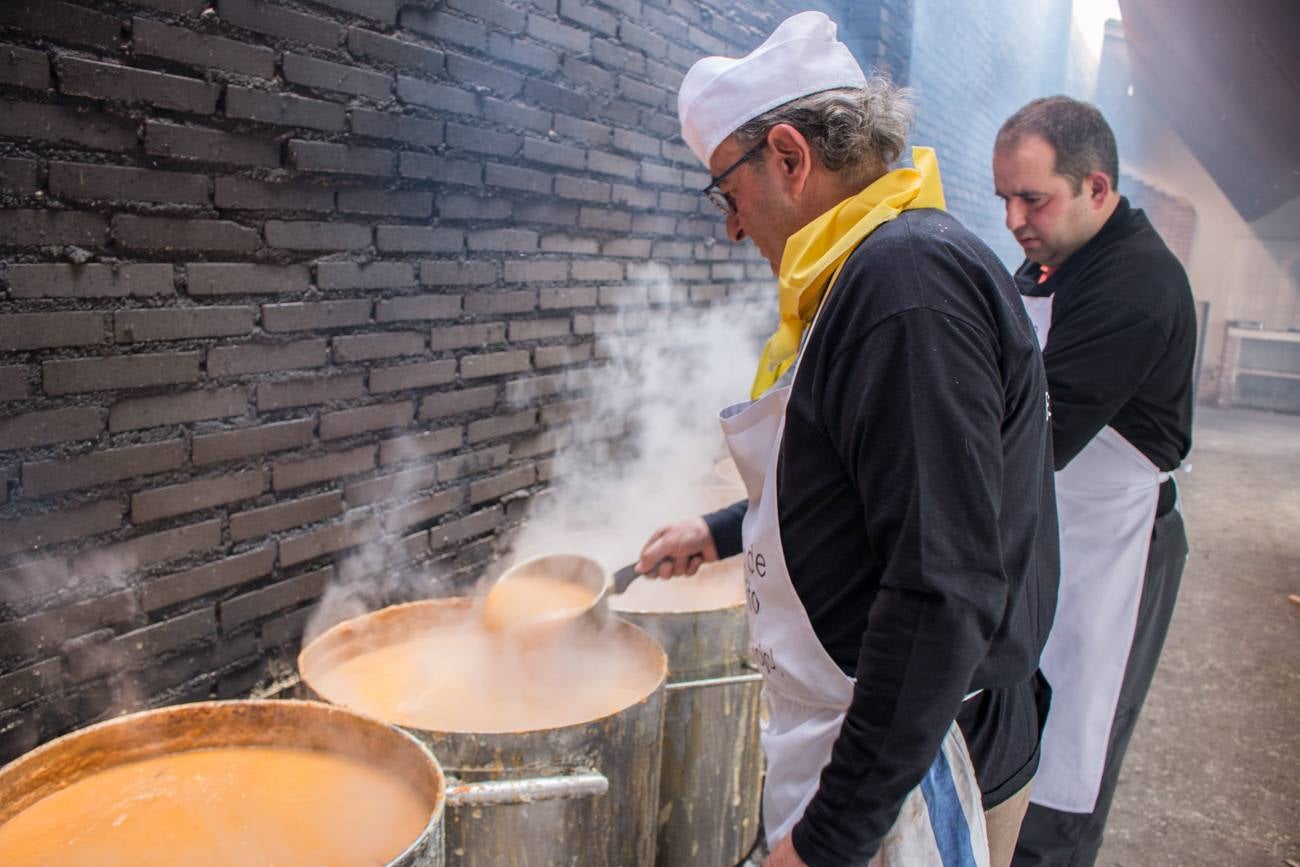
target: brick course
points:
(165, 234)
(383, 344)
(263, 17)
(383, 487)
(178, 408)
(234, 444)
(284, 516)
(41, 228)
(284, 109)
(126, 371)
(493, 364)
(348, 534)
(456, 402)
(311, 235)
(193, 496)
(313, 315)
(472, 463)
(298, 473)
(135, 648)
(180, 142)
(19, 176)
(157, 39)
(407, 376)
(46, 330)
(111, 81)
(123, 557)
(243, 194)
(144, 326)
(210, 578)
(49, 528)
(66, 125)
(306, 392)
(86, 181)
(100, 466)
(349, 422)
(418, 307)
(419, 445)
(44, 427)
(423, 510)
(245, 358)
(283, 594)
(458, 336)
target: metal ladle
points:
(570, 568)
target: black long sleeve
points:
(1099, 361)
(922, 388)
(724, 527)
(1122, 344)
(917, 516)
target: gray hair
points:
(1077, 132)
(857, 131)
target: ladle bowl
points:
(574, 569)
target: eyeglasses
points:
(714, 194)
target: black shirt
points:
(918, 519)
(1123, 341)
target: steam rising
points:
(634, 457)
(650, 438)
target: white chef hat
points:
(801, 57)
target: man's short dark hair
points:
(1077, 132)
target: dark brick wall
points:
(973, 63)
(288, 293)
(880, 35)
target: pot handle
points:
(730, 680)
(581, 783)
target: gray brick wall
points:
(283, 283)
(973, 63)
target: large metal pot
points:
(170, 731)
(710, 793)
(613, 829)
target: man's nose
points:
(734, 230)
(1015, 216)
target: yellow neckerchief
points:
(814, 255)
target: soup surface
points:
(526, 599)
(458, 676)
(269, 806)
(715, 585)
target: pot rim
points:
(334, 635)
(38, 759)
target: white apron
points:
(805, 692)
(1106, 504)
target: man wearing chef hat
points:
(899, 536)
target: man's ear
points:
(1098, 187)
(792, 155)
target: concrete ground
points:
(1213, 773)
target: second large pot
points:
(712, 777)
(559, 816)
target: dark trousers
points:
(1052, 838)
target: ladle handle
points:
(729, 680)
(623, 578)
(579, 784)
